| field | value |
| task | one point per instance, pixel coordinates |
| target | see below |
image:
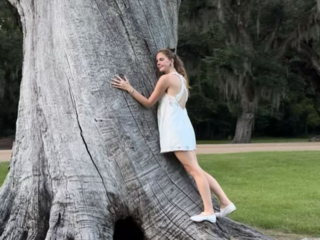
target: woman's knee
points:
(205, 173)
(190, 163)
(195, 171)
(208, 175)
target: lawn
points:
(278, 191)
(256, 140)
(3, 171)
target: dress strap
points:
(183, 87)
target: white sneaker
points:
(227, 210)
(201, 218)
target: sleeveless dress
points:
(175, 129)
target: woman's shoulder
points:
(166, 77)
(170, 75)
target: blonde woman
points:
(175, 129)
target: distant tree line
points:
(254, 67)
(10, 67)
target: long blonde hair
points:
(177, 63)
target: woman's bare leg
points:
(190, 163)
(216, 189)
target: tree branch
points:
(311, 19)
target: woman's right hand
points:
(121, 83)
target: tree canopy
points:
(268, 48)
(10, 67)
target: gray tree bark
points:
(245, 120)
(87, 155)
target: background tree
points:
(87, 155)
(213, 113)
(248, 48)
(10, 67)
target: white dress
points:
(175, 129)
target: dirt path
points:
(257, 147)
(5, 155)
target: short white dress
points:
(175, 129)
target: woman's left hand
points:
(121, 83)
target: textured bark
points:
(245, 86)
(246, 117)
(244, 126)
(87, 155)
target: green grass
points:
(278, 191)
(272, 190)
(256, 140)
(3, 171)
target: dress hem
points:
(178, 149)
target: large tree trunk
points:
(87, 155)
(246, 117)
(244, 127)
(245, 83)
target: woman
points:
(175, 129)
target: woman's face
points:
(163, 63)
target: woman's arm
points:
(157, 93)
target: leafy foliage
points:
(272, 47)
(10, 67)
(275, 46)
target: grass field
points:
(3, 171)
(256, 140)
(278, 191)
